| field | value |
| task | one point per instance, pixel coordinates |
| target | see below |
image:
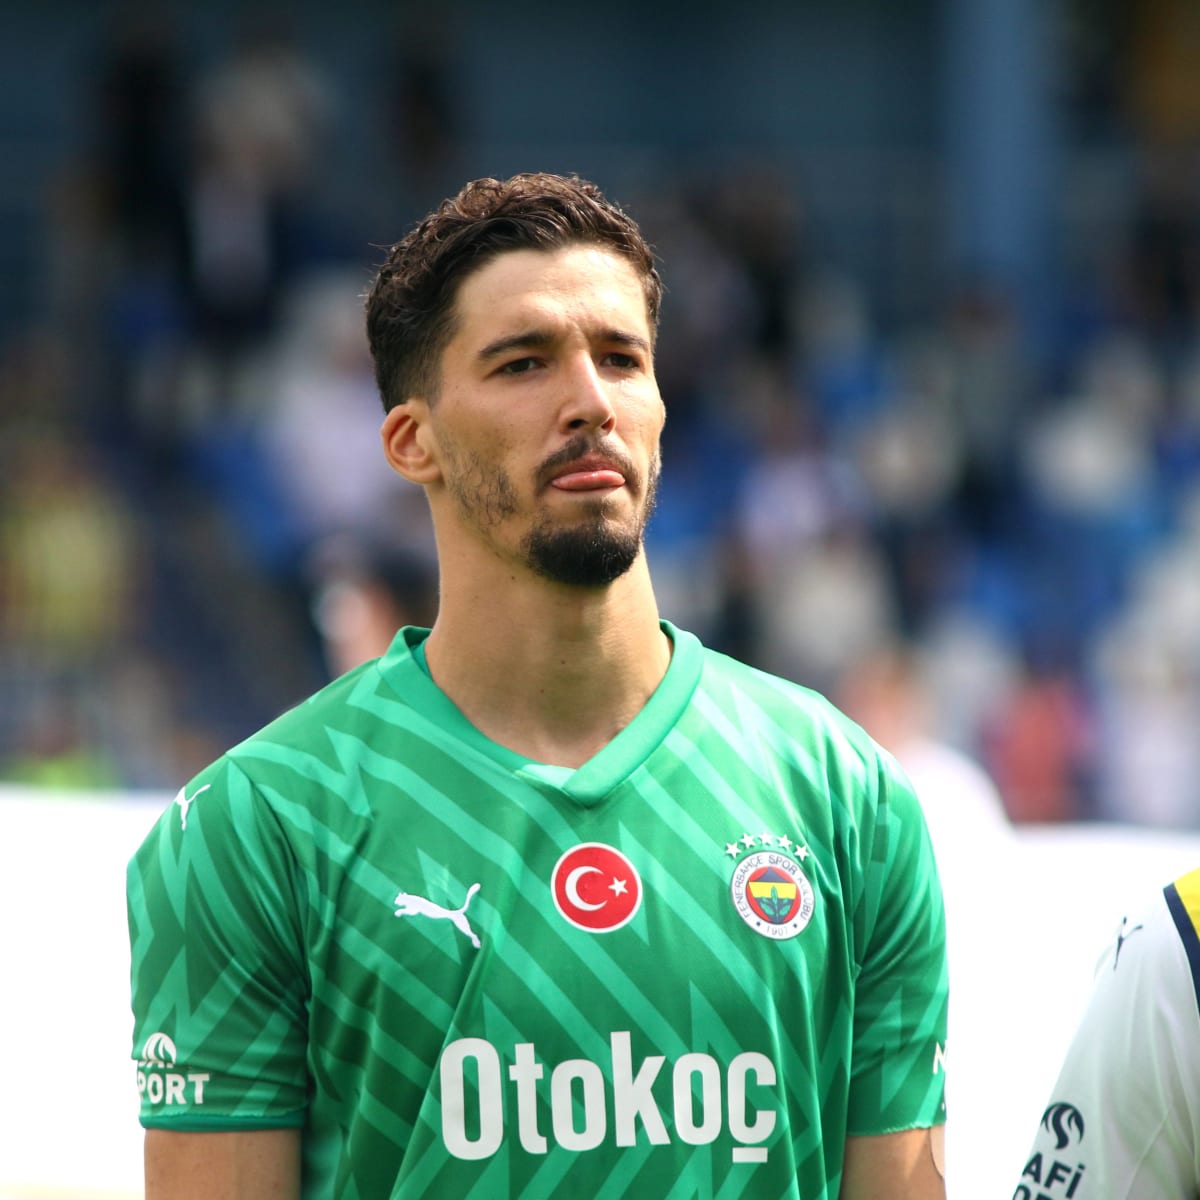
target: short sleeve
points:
(901, 995)
(219, 982)
(1123, 1121)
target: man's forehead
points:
(574, 280)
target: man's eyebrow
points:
(534, 339)
(622, 338)
(529, 340)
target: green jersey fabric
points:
(689, 968)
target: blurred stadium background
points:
(930, 352)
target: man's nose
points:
(588, 401)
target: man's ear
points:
(408, 442)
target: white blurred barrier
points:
(1029, 914)
(68, 1100)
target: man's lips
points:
(587, 481)
(588, 475)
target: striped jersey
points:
(1123, 1122)
(691, 967)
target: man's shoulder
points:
(331, 734)
(342, 704)
(775, 699)
(312, 758)
(758, 715)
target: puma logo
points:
(185, 802)
(1123, 935)
(408, 905)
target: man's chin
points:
(592, 556)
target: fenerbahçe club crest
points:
(769, 889)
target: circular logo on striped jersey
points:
(596, 887)
(772, 894)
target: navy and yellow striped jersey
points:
(1124, 1119)
(1183, 903)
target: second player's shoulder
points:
(1157, 946)
(1124, 1116)
(1147, 977)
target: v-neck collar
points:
(404, 670)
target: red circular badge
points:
(596, 887)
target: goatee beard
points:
(595, 554)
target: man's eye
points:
(519, 366)
(626, 362)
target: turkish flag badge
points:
(596, 887)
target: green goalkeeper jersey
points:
(690, 968)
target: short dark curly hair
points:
(410, 306)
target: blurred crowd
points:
(197, 527)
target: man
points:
(548, 899)
(1124, 1119)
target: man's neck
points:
(552, 672)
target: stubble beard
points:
(592, 553)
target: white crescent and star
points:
(571, 887)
